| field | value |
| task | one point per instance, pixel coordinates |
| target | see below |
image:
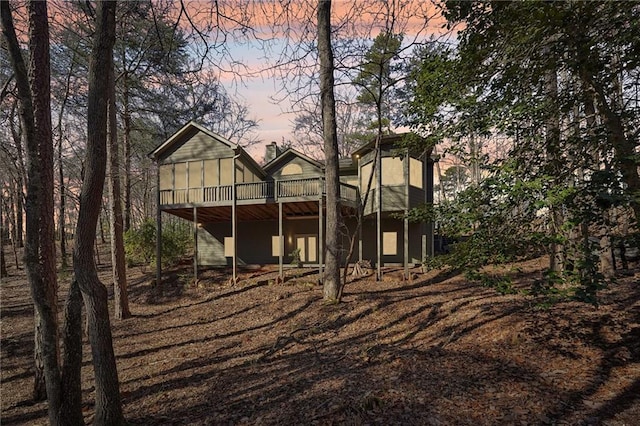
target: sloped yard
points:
(436, 350)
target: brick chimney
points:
(272, 151)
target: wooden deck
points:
(256, 200)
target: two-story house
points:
(246, 214)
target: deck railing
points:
(223, 194)
(348, 192)
(300, 187)
(254, 191)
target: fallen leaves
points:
(429, 352)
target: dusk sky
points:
(257, 92)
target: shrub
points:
(140, 243)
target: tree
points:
(116, 225)
(94, 293)
(332, 182)
(3, 227)
(33, 85)
(552, 84)
(378, 75)
(352, 128)
(33, 93)
(454, 180)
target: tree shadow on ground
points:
(427, 352)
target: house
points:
(245, 213)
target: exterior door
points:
(308, 246)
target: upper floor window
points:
(166, 176)
(415, 173)
(392, 171)
(180, 176)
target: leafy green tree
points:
(140, 243)
(379, 74)
(454, 180)
(557, 80)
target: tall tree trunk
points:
(118, 266)
(21, 179)
(3, 230)
(94, 293)
(327, 99)
(39, 70)
(127, 154)
(554, 165)
(61, 208)
(361, 207)
(605, 251)
(71, 409)
(624, 148)
(11, 224)
(102, 239)
(35, 116)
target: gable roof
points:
(386, 140)
(179, 138)
(286, 156)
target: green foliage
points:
(502, 284)
(503, 220)
(380, 73)
(557, 83)
(140, 243)
(295, 257)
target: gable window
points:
(291, 169)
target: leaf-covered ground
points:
(434, 351)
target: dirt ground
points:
(433, 351)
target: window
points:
(291, 169)
(239, 172)
(364, 177)
(389, 243)
(226, 178)
(166, 176)
(392, 171)
(275, 245)
(195, 174)
(180, 176)
(211, 177)
(228, 246)
(415, 173)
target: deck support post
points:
(195, 245)
(379, 213)
(360, 212)
(234, 224)
(158, 231)
(428, 249)
(280, 242)
(405, 170)
(320, 234)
